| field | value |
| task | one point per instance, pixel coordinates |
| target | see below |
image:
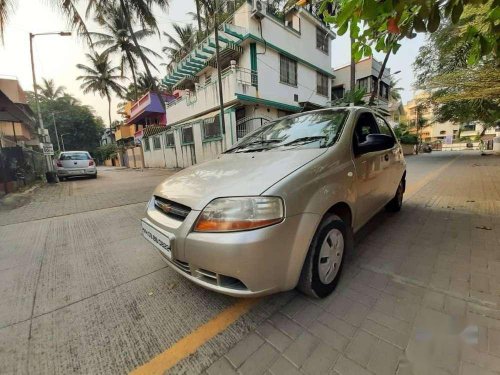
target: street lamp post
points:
(35, 90)
(55, 130)
(62, 140)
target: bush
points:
(106, 152)
(408, 139)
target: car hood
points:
(233, 174)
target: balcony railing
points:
(235, 80)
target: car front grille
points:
(172, 209)
(209, 277)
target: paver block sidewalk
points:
(420, 294)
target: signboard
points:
(48, 148)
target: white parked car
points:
(75, 163)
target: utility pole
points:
(55, 129)
(48, 158)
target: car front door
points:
(372, 170)
(394, 158)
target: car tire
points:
(94, 176)
(62, 178)
(325, 258)
(396, 203)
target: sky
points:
(56, 57)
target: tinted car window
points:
(75, 156)
(312, 130)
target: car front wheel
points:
(324, 261)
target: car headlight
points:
(240, 213)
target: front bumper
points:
(240, 264)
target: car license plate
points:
(161, 241)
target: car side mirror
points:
(375, 142)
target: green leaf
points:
(434, 18)
(354, 31)
(367, 51)
(369, 9)
(457, 12)
(380, 44)
(343, 29)
(419, 24)
(346, 12)
(474, 53)
(395, 48)
(486, 45)
(329, 18)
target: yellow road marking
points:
(415, 187)
(190, 343)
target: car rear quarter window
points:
(384, 127)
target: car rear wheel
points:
(396, 203)
(324, 261)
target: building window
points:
(364, 84)
(321, 84)
(208, 79)
(211, 128)
(337, 92)
(384, 90)
(322, 40)
(187, 135)
(147, 147)
(156, 143)
(442, 132)
(288, 71)
(169, 140)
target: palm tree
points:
(144, 85)
(101, 78)
(181, 43)
(5, 10)
(395, 92)
(69, 99)
(118, 40)
(49, 90)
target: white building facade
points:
(273, 64)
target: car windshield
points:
(75, 156)
(311, 130)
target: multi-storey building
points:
(367, 71)
(273, 63)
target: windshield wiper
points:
(259, 142)
(304, 140)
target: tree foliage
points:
(82, 128)
(383, 24)
(459, 92)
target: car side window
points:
(384, 127)
(365, 125)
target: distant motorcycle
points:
(426, 148)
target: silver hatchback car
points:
(74, 164)
(278, 210)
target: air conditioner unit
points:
(258, 9)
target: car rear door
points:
(75, 160)
(372, 170)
